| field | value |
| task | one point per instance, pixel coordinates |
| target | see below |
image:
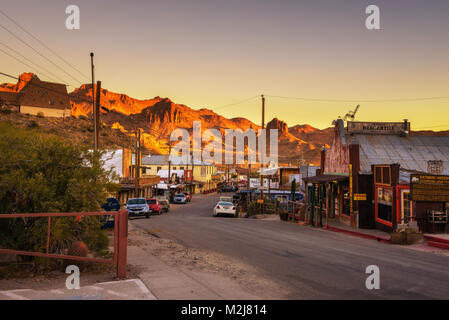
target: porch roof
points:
(325, 178)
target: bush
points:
(33, 124)
(41, 172)
(5, 110)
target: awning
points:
(325, 178)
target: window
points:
(384, 204)
(407, 209)
(174, 168)
(382, 175)
(346, 201)
(158, 168)
(181, 168)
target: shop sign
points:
(427, 187)
(360, 196)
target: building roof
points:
(325, 178)
(411, 152)
(164, 173)
(175, 161)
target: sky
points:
(212, 54)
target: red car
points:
(154, 205)
(188, 197)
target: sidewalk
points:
(374, 234)
(132, 289)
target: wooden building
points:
(364, 178)
(36, 97)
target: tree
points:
(41, 172)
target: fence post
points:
(122, 243)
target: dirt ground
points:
(171, 253)
(249, 278)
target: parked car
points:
(154, 205)
(226, 199)
(165, 205)
(229, 188)
(189, 198)
(138, 207)
(180, 198)
(111, 204)
(225, 208)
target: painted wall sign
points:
(378, 127)
(427, 187)
(360, 196)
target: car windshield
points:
(163, 202)
(225, 204)
(137, 201)
(151, 201)
(180, 195)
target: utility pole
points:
(191, 179)
(169, 167)
(137, 165)
(97, 115)
(93, 97)
(262, 151)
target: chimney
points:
(406, 127)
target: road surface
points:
(309, 263)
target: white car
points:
(224, 208)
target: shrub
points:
(40, 172)
(33, 124)
(5, 110)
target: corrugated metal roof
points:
(163, 160)
(411, 152)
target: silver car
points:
(180, 198)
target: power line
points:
(40, 67)
(235, 103)
(43, 44)
(6, 53)
(31, 47)
(361, 100)
(43, 87)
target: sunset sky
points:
(213, 53)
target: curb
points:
(358, 234)
(440, 245)
(436, 239)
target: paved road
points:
(309, 263)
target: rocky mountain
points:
(158, 117)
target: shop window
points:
(385, 204)
(406, 206)
(346, 202)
